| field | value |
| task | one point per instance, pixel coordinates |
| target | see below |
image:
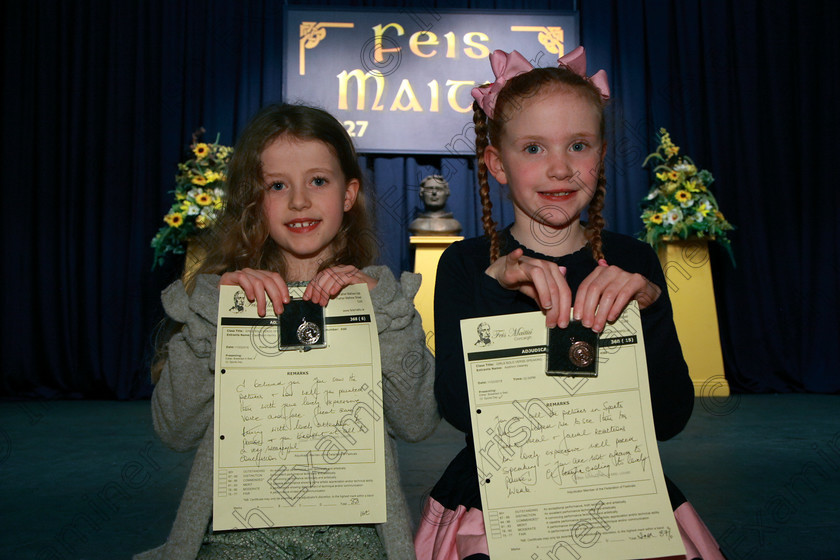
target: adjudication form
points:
(299, 435)
(568, 467)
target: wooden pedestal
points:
(689, 276)
(427, 252)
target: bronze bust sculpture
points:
(434, 220)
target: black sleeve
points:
(462, 290)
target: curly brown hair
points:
(240, 238)
(489, 131)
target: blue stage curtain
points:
(100, 100)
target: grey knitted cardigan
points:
(182, 402)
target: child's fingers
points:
(267, 285)
(329, 282)
(636, 287)
(332, 284)
(543, 287)
(553, 292)
(589, 295)
(257, 284)
(242, 279)
(605, 293)
(277, 290)
(565, 308)
(507, 270)
(548, 293)
(313, 288)
(259, 288)
(649, 293)
(608, 306)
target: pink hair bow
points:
(505, 66)
(576, 62)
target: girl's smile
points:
(302, 225)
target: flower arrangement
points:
(679, 204)
(199, 196)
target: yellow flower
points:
(666, 208)
(656, 218)
(180, 196)
(203, 199)
(201, 221)
(201, 150)
(175, 219)
(218, 203)
(199, 180)
(673, 175)
(682, 196)
(662, 175)
(211, 176)
(672, 150)
(691, 185)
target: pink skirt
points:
(444, 534)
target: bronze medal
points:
(581, 353)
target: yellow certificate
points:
(568, 467)
(299, 435)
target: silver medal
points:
(308, 332)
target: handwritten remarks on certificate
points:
(299, 434)
(568, 466)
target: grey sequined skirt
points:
(323, 542)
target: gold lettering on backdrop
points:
(425, 45)
(378, 32)
(414, 43)
(549, 37)
(452, 96)
(405, 90)
(473, 49)
(450, 45)
(472, 41)
(361, 79)
(311, 33)
(434, 106)
(404, 100)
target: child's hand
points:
(256, 284)
(541, 280)
(604, 294)
(329, 282)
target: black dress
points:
(463, 290)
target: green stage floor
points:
(763, 471)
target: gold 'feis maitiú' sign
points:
(400, 81)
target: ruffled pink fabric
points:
(449, 535)
(453, 535)
(696, 537)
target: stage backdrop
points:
(100, 100)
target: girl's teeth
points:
(301, 224)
